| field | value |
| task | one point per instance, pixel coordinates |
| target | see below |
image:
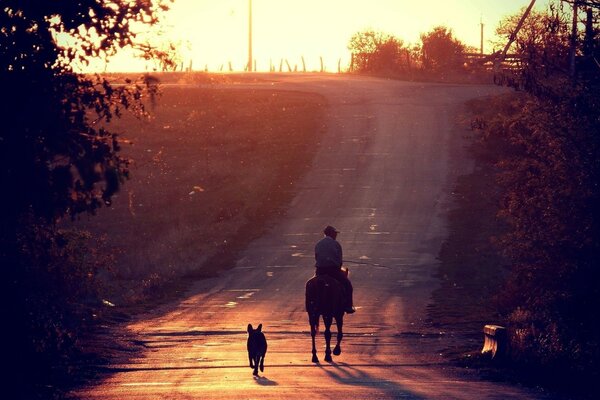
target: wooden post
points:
(588, 41)
(288, 65)
(322, 68)
(303, 65)
(339, 66)
(281, 65)
(481, 42)
(230, 67)
(573, 49)
(495, 341)
(249, 35)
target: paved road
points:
(381, 175)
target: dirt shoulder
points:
(471, 269)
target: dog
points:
(257, 348)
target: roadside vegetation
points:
(535, 193)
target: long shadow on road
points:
(346, 374)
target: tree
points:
(377, 52)
(55, 158)
(440, 51)
(548, 172)
(541, 46)
(49, 139)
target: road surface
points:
(382, 175)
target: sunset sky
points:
(213, 32)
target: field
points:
(211, 168)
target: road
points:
(382, 175)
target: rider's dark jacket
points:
(328, 253)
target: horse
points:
(324, 297)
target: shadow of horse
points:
(349, 375)
(324, 298)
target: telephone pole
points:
(573, 49)
(250, 35)
(481, 42)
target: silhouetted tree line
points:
(376, 52)
(547, 154)
(57, 162)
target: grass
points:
(211, 168)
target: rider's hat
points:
(330, 230)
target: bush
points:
(378, 52)
(547, 154)
(54, 296)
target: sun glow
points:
(213, 35)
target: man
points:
(328, 256)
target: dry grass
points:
(211, 168)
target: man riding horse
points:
(328, 256)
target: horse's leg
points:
(339, 321)
(313, 332)
(328, 320)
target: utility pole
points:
(512, 37)
(481, 43)
(573, 40)
(250, 35)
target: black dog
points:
(257, 348)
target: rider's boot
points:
(350, 308)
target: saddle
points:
(335, 274)
(319, 289)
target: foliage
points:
(548, 172)
(542, 45)
(548, 157)
(55, 159)
(378, 52)
(70, 164)
(440, 51)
